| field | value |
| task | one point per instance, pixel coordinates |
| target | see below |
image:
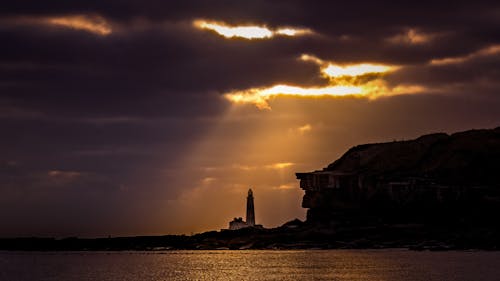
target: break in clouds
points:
(161, 115)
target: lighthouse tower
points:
(250, 210)
(238, 223)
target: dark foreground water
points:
(251, 265)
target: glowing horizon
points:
(248, 31)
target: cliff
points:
(434, 176)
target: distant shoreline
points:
(306, 237)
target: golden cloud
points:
(332, 70)
(208, 180)
(285, 187)
(261, 96)
(89, 23)
(280, 165)
(273, 166)
(248, 31)
(94, 24)
(303, 129)
(412, 37)
(484, 52)
(358, 80)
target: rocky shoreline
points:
(293, 235)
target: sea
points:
(372, 265)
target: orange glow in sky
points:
(340, 84)
(334, 70)
(248, 31)
(260, 96)
(488, 51)
(93, 24)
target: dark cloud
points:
(134, 120)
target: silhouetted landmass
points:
(435, 179)
(301, 236)
(438, 192)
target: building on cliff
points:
(238, 223)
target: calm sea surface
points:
(251, 265)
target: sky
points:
(155, 117)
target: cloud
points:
(273, 166)
(248, 31)
(288, 186)
(208, 180)
(347, 73)
(358, 80)
(95, 24)
(412, 36)
(63, 174)
(260, 96)
(280, 165)
(62, 177)
(483, 52)
(303, 129)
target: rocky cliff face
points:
(430, 175)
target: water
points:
(351, 265)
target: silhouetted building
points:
(238, 223)
(250, 209)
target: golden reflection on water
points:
(340, 265)
(373, 265)
(286, 265)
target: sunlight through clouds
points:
(344, 80)
(248, 31)
(333, 70)
(260, 96)
(280, 165)
(273, 166)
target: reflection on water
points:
(252, 265)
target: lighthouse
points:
(239, 223)
(250, 210)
